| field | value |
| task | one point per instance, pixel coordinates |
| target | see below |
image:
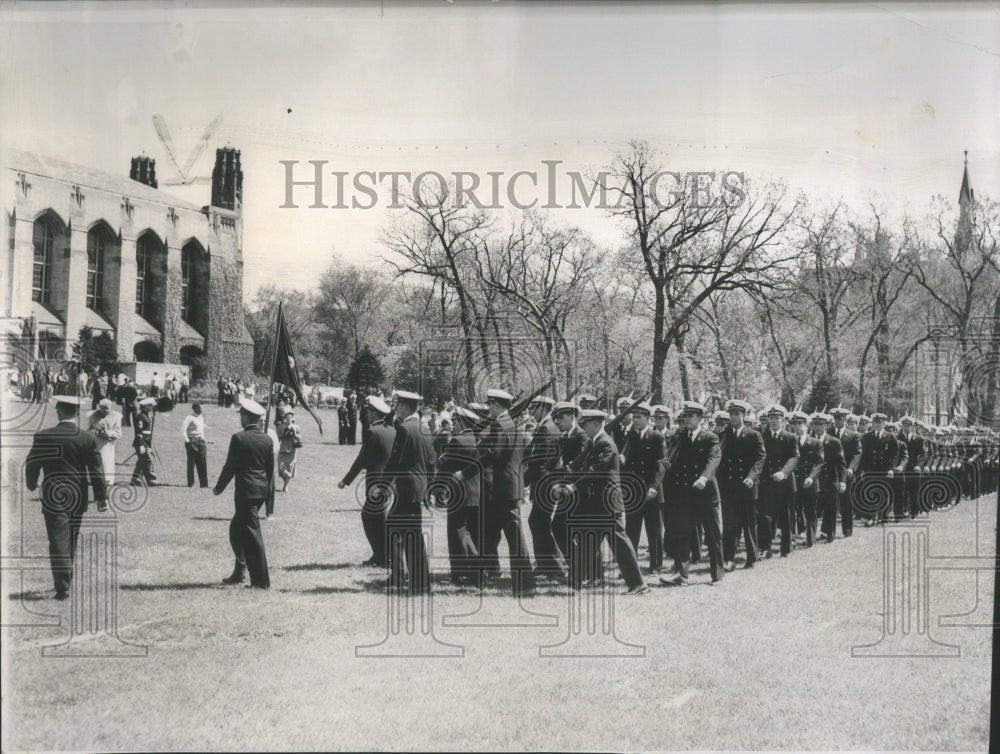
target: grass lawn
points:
(762, 661)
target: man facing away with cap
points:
(410, 465)
(502, 450)
(376, 446)
(66, 458)
(540, 462)
(250, 461)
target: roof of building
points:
(87, 177)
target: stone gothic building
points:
(163, 276)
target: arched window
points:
(96, 247)
(143, 274)
(187, 275)
(195, 274)
(41, 279)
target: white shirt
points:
(193, 427)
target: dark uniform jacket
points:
(782, 455)
(834, 471)
(620, 433)
(68, 457)
(571, 447)
(250, 462)
(698, 457)
(742, 457)
(810, 461)
(502, 449)
(915, 450)
(143, 430)
(458, 454)
(542, 453)
(646, 457)
(376, 445)
(850, 442)
(879, 454)
(597, 478)
(411, 462)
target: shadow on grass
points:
(332, 590)
(321, 566)
(211, 518)
(181, 586)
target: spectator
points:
(290, 441)
(107, 425)
(182, 392)
(193, 432)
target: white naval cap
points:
(378, 404)
(251, 407)
(500, 395)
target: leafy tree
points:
(824, 394)
(95, 351)
(429, 380)
(365, 373)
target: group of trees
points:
(756, 294)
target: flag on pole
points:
(284, 371)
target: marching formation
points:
(698, 488)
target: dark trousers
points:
(63, 530)
(222, 399)
(805, 501)
(899, 496)
(143, 471)
(828, 497)
(182, 394)
(128, 416)
(352, 432)
(373, 521)
(739, 516)
(586, 537)
(847, 509)
(548, 554)
(196, 453)
(649, 513)
(407, 550)
(248, 543)
(505, 520)
(911, 493)
(462, 552)
(691, 512)
(775, 511)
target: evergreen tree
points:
(824, 394)
(365, 373)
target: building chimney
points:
(143, 170)
(227, 179)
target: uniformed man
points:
(600, 506)
(864, 424)
(721, 421)
(845, 429)
(410, 467)
(462, 499)
(902, 458)
(698, 457)
(502, 450)
(833, 478)
(879, 454)
(376, 445)
(645, 454)
(742, 462)
(67, 458)
(144, 471)
(807, 471)
(915, 463)
(777, 483)
(661, 419)
(541, 459)
(250, 462)
(572, 443)
(586, 401)
(620, 431)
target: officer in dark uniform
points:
(502, 449)
(845, 429)
(600, 506)
(67, 458)
(697, 460)
(879, 455)
(462, 499)
(807, 472)
(144, 471)
(742, 463)
(902, 458)
(376, 445)
(621, 430)
(833, 478)
(541, 458)
(250, 462)
(572, 442)
(645, 454)
(916, 460)
(777, 483)
(410, 467)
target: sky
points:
(858, 101)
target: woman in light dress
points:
(107, 425)
(290, 441)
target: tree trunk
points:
(660, 347)
(682, 366)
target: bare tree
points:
(348, 303)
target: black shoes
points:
(59, 595)
(236, 577)
(635, 591)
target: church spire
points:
(966, 209)
(966, 195)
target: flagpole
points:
(274, 363)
